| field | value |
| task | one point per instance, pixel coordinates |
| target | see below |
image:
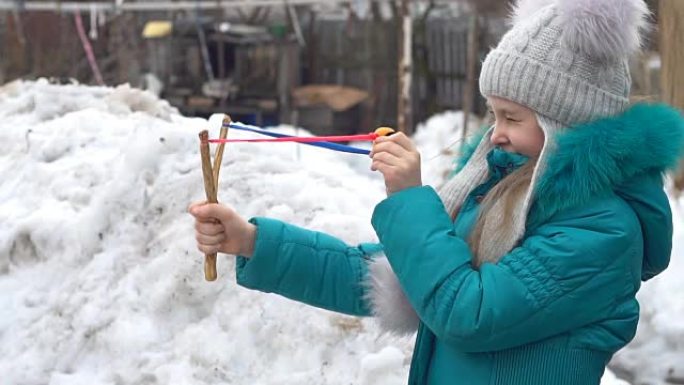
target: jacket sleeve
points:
(567, 274)
(306, 266)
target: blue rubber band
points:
(328, 145)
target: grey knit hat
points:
(568, 61)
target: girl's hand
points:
(398, 160)
(219, 228)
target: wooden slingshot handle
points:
(210, 189)
(211, 177)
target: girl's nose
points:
(498, 137)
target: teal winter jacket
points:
(553, 310)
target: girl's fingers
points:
(206, 220)
(209, 228)
(213, 212)
(390, 147)
(195, 204)
(384, 168)
(210, 240)
(208, 214)
(400, 139)
(404, 141)
(201, 212)
(387, 158)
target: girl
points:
(523, 268)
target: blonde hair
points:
(511, 189)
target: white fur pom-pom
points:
(603, 29)
(387, 299)
(523, 9)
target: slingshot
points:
(211, 173)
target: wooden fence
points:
(363, 54)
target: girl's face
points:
(516, 128)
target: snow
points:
(101, 281)
(100, 278)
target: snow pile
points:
(101, 282)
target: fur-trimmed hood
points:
(602, 156)
(625, 154)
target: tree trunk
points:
(404, 123)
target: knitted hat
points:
(568, 61)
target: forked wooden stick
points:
(211, 179)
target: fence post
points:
(672, 54)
